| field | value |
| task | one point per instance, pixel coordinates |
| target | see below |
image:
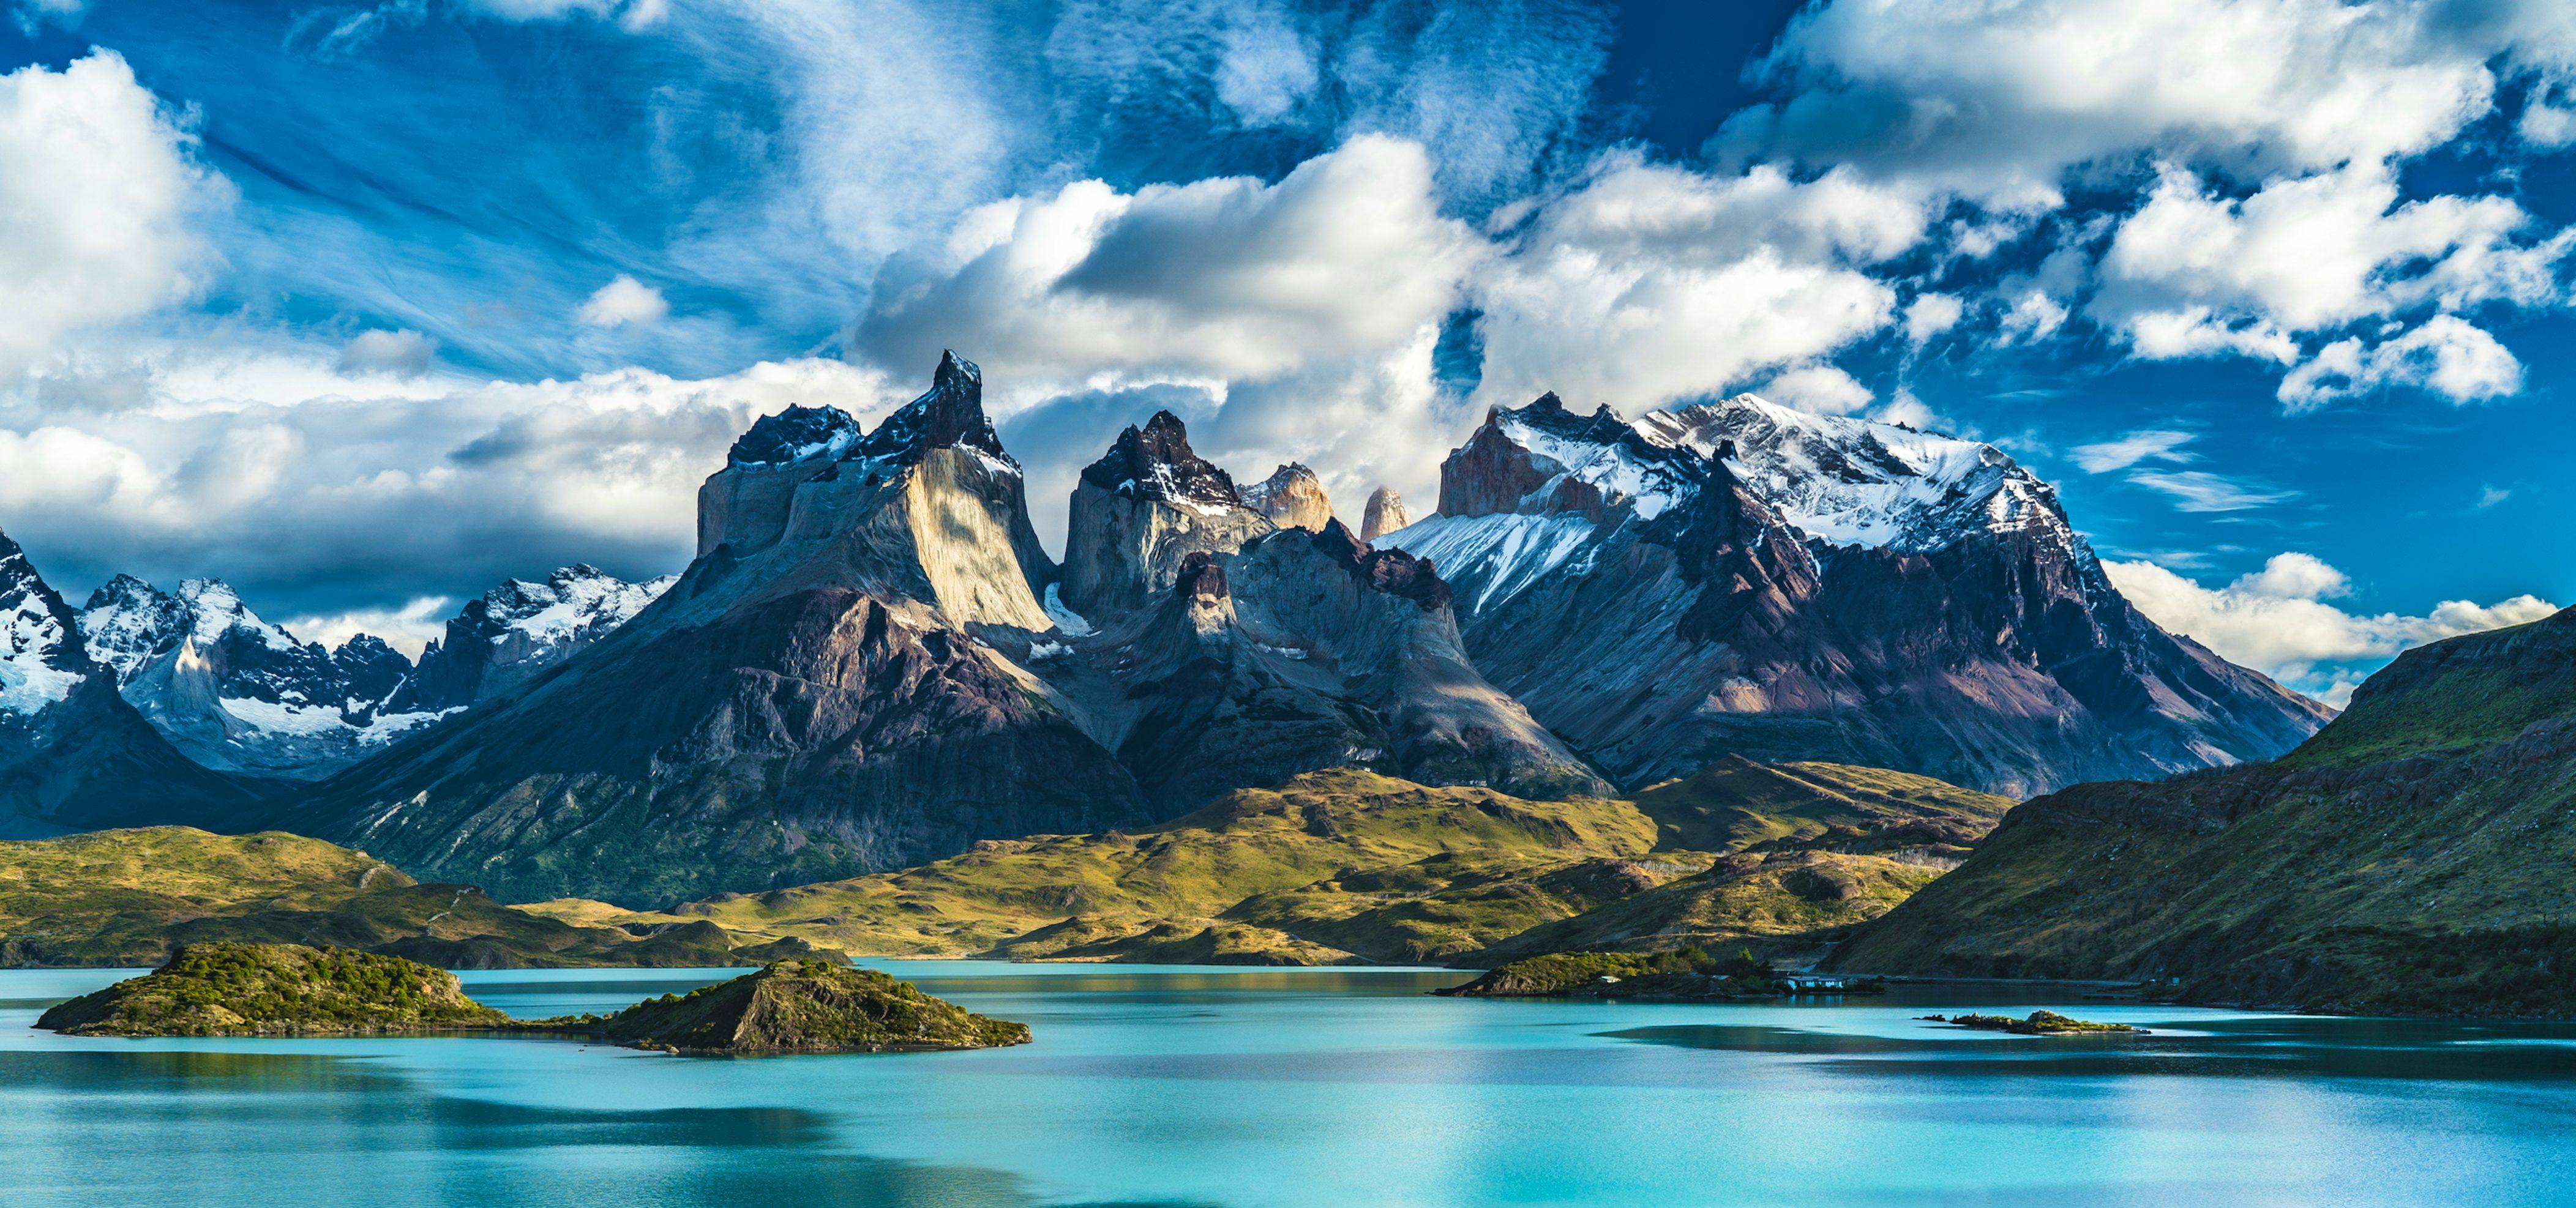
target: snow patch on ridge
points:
(1497, 556)
(1648, 488)
(1853, 481)
(28, 633)
(1065, 619)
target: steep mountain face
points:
(503, 638)
(1303, 651)
(74, 755)
(1141, 510)
(1385, 514)
(2411, 857)
(1220, 651)
(819, 695)
(1738, 578)
(1292, 497)
(237, 694)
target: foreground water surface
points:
(1231, 1086)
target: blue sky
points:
(366, 306)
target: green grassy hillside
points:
(129, 897)
(1735, 804)
(1350, 865)
(2413, 858)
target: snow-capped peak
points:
(793, 435)
(1851, 481)
(1602, 452)
(38, 664)
(578, 601)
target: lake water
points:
(1232, 1086)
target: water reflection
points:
(202, 1127)
(2259, 1046)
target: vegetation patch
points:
(2040, 1023)
(231, 989)
(123, 898)
(802, 1006)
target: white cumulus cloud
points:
(97, 191)
(1652, 283)
(2278, 620)
(622, 301)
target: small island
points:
(804, 1006)
(1686, 973)
(234, 989)
(798, 1005)
(2040, 1023)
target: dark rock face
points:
(1292, 497)
(1298, 652)
(74, 755)
(2410, 858)
(815, 698)
(793, 435)
(1140, 511)
(1660, 611)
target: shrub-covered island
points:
(799, 1005)
(233, 989)
(806, 1006)
(2040, 1023)
(1682, 973)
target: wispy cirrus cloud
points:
(2202, 491)
(2130, 448)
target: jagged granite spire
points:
(1385, 514)
(1292, 497)
(1156, 462)
(949, 415)
(1141, 510)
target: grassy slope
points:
(2412, 857)
(128, 897)
(1736, 803)
(1788, 904)
(1349, 864)
(1177, 879)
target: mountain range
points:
(1741, 578)
(872, 662)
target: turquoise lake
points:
(1172, 1085)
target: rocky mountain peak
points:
(1140, 511)
(949, 416)
(504, 637)
(793, 435)
(1292, 497)
(1392, 571)
(1156, 462)
(40, 662)
(1856, 482)
(236, 693)
(1543, 459)
(1385, 514)
(73, 754)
